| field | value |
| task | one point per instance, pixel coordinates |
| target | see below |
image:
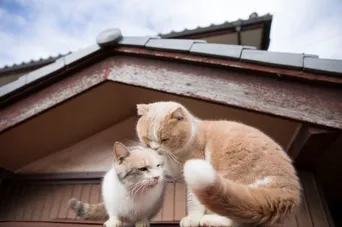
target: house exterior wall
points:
(47, 201)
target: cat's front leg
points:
(113, 221)
(143, 223)
(216, 220)
(195, 211)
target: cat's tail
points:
(246, 204)
(88, 211)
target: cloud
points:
(33, 29)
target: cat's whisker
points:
(172, 157)
(133, 141)
(143, 189)
(175, 158)
(139, 186)
(134, 188)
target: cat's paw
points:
(189, 221)
(113, 222)
(142, 224)
(213, 220)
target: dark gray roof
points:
(301, 62)
(30, 64)
(252, 20)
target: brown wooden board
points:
(168, 206)
(48, 202)
(66, 224)
(51, 205)
(179, 202)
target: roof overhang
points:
(293, 86)
(282, 85)
(254, 22)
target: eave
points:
(319, 95)
(263, 22)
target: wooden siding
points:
(37, 202)
(68, 224)
(47, 202)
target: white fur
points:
(264, 181)
(195, 210)
(207, 154)
(199, 173)
(193, 128)
(119, 203)
(215, 220)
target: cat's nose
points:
(154, 146)
(155, 179)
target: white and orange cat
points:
(132, 191)
(235, 174)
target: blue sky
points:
(33, 29)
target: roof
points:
(300, 62)
(252, 20)
(298, 71)
(30, 64)
(234, 26)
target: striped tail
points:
(88, 211)
(243, 204)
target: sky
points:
(34, 29)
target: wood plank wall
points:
(48, 202)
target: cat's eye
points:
(143, 169)
(164, 140)
(161, 164)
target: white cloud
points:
(55, 26)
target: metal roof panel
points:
(134, 41)
(219, 50)
(273, 58)
(8, 88)
(323, 65)
(77, 55)
(172, 44)
(46, 70)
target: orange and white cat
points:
(235, 174)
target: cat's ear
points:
(178, 114)
(142, 109)
(120, 152)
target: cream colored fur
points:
(238, 173)
(132, 191)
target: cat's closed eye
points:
(143, 169)
(161, 164)
(165, 139)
